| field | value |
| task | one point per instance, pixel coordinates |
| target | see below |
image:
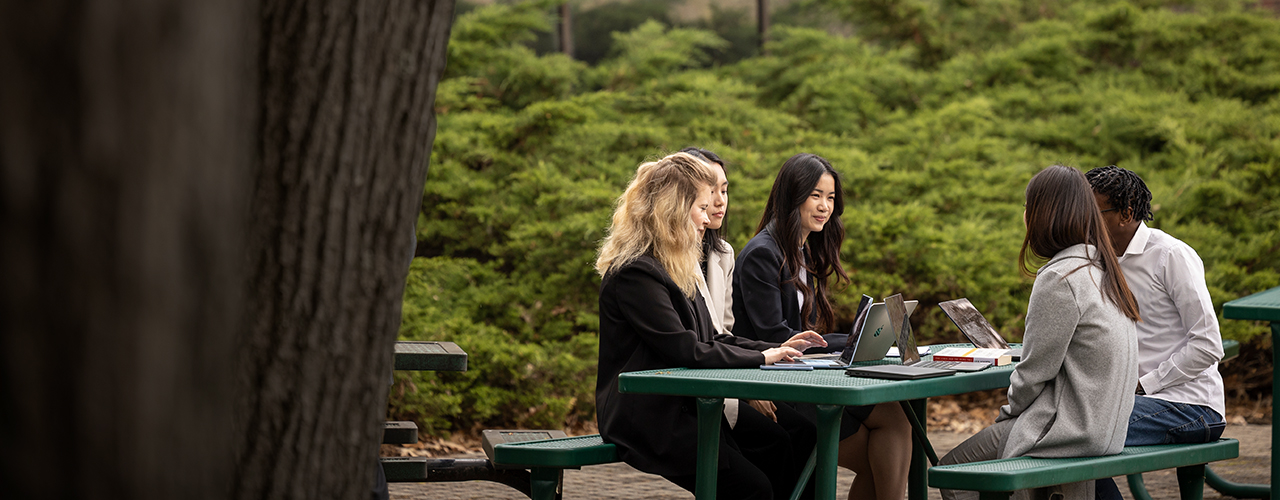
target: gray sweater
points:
(1072, 393)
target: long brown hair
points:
(796, 179)
(1061, 212)
(652, 217)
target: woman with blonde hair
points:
(653, 315)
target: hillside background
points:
(935, 112)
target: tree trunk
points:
(345, 131)
(762, 22)
(124, 152)
(566, 29)
(141, 358)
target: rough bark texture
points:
(347, 89)
(124, 151)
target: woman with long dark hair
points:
(653, 314)
(780, 289)
(1072, 393)
(717, 254)
(769, 434)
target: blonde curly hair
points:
(652, 216)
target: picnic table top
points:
(430, 356)
(817, 386)
(1261, 306)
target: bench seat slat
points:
(1011, 474)
(567, 452)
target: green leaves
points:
(652, 51)
(934, 143)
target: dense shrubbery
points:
(935, 126)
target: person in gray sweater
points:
(1070, 396)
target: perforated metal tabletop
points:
(830, 387)
(1261, 306)
(430, 356)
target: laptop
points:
(868, 339)
(912, 367)
(975, 327)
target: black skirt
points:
(849, 422)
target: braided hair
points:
(1124, 189)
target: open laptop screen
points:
(859, 321)
(972, 324)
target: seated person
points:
(653, 316)
(752, 435)
(780, 290)
(1180, 395)
(1070, 394)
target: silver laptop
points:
(912, 366)
(870, 338)
(975, 326)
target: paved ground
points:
(618, 481)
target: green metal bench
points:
(547, 459)
(998, 479)
(399, 433)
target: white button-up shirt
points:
(1179, 343)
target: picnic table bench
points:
(997, 479)
(547, 459)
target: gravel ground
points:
(618, 481)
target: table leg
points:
(1138, 488)
(828, 450)
(920, 431)
(918, 476)
(709, 411)
(1191, 482)
(1275, 382)
(1227, 488)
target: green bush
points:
(935, 137)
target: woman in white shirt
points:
(787, 444)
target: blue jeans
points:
(1156, 421)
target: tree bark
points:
(202, 283)
(124, 152)
(345, 132)
(566, 29)
(762, 22)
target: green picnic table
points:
(412, 355)
(1261, 306)
(830, 390)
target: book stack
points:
(997, 357)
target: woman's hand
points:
(777, 354)
(805, 340)
(766, 408)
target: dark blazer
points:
(765, 307)
(647, 323)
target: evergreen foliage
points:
(937, 113)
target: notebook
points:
(868, 338)
(975, 327)
(912, 367)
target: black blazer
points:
(647, 323)
(765, 306)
